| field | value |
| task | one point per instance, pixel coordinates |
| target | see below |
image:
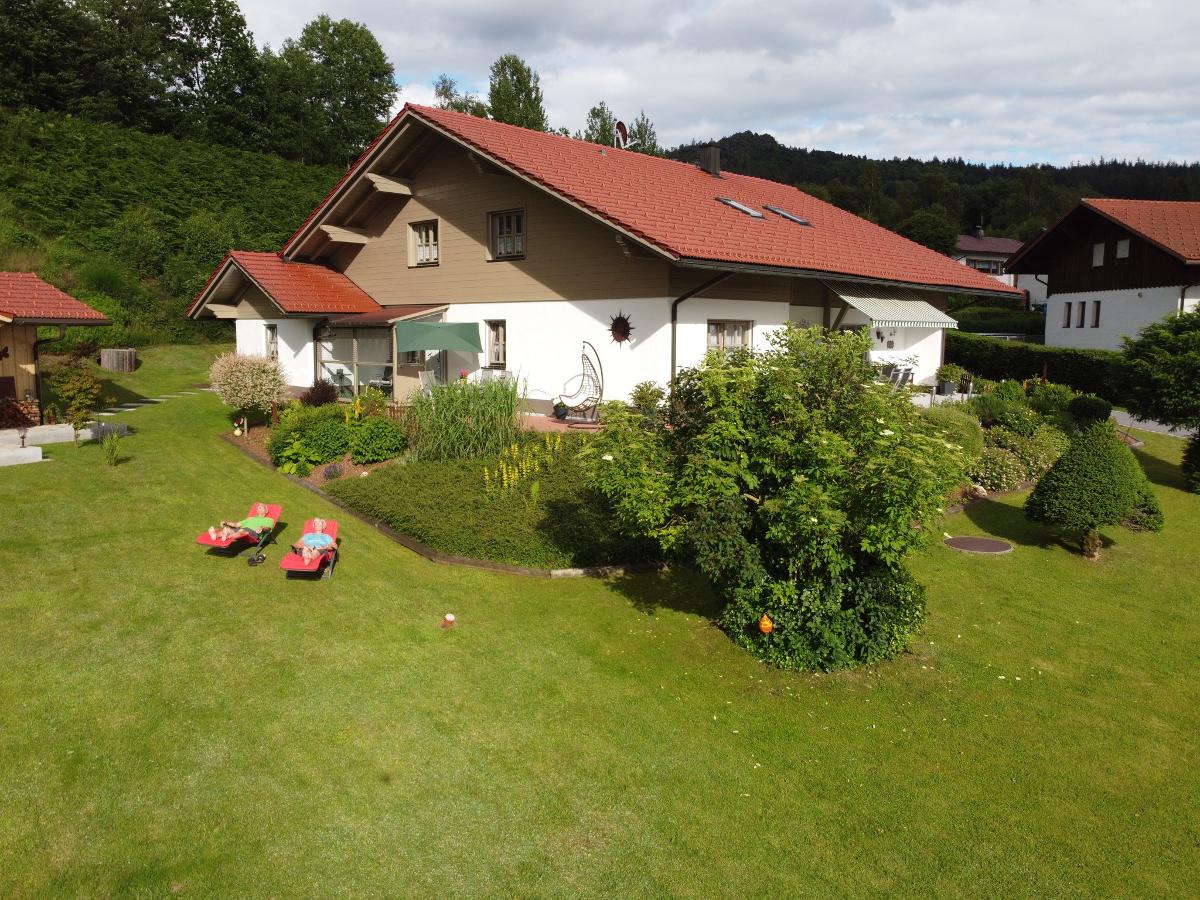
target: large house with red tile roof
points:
(27, 302)
(541, 242)
(1115, 266)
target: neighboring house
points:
(535, 243)
(1115, 266)
(990, 256)
(27, 302)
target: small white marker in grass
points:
(448, 620)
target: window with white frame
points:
(506, 234)
(423, 246)
(1082, 314)
(728, 334)
(1095, 313)
(987, 266)
(1122, 250)
(272, 337)
(1067, 314)
(497, 345)
(1097, 254)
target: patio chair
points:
(294, 563)
(236, 545)
(590, 391)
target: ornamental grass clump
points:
(797, 486)
(1096, 482)
(248, 383)
(464, 420)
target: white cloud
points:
(1016, 81)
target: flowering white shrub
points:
(248, 382)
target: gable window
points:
(497, 344)
(506, 234)
(1082, 314)
(1095, 313)
(1067, 314)
(1123, 250)
(423, 245)
(724, 334)
(1097, 255)
(272, 342)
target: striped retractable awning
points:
(891, 307)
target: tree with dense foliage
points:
(1162, 369)
(448, 96)
(932, 227)
(797, 486)
(601, 125)
(642, 136)
(78, 391)
(515, 94)
(1096, 482)
(248, 383)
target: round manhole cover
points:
(978, 544)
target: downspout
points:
(687, 295)
(37, 367)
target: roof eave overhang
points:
(383, 143)
(755, 269)
(38, 320)
(230, 264)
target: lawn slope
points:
(177, 722)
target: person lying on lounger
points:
(255, 525)
(313, 543)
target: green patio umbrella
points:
(412, 336)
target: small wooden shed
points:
(27, 302)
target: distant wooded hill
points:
(134, 223)
(932, 201)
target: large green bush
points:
(297, 421)
(998, 469)
(447, 505)
(1096, 371)
(959, 426)
(329, 439)
(1037, 452)
(375, 439)
(1191, 463)
(1096, 482)
(793, 483)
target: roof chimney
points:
(978, 232)
(710, 160)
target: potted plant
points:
(948, 377)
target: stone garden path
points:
(149, 401)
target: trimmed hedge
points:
(1099, 372)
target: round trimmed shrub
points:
(1088, 408)
(375, 439)
(1191, 463)
(1096, 482)
(1049, 399)
(958, 426)
(998, 469)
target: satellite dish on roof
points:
(620, 135)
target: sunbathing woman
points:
(313, 543)
(257, 524)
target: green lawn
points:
(171, 721)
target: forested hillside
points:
(933, 201)
(134, 223)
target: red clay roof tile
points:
(1173, 225)
(296, 287)
(26, 298)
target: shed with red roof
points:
(26, 302)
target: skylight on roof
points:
(792, 217)
(741, 207)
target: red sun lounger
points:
(295, 564)
(241, 543)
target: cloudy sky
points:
(990, 80)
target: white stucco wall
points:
(295, 346)
(1121, 313)
(544, 338)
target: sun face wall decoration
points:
(620, 328)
